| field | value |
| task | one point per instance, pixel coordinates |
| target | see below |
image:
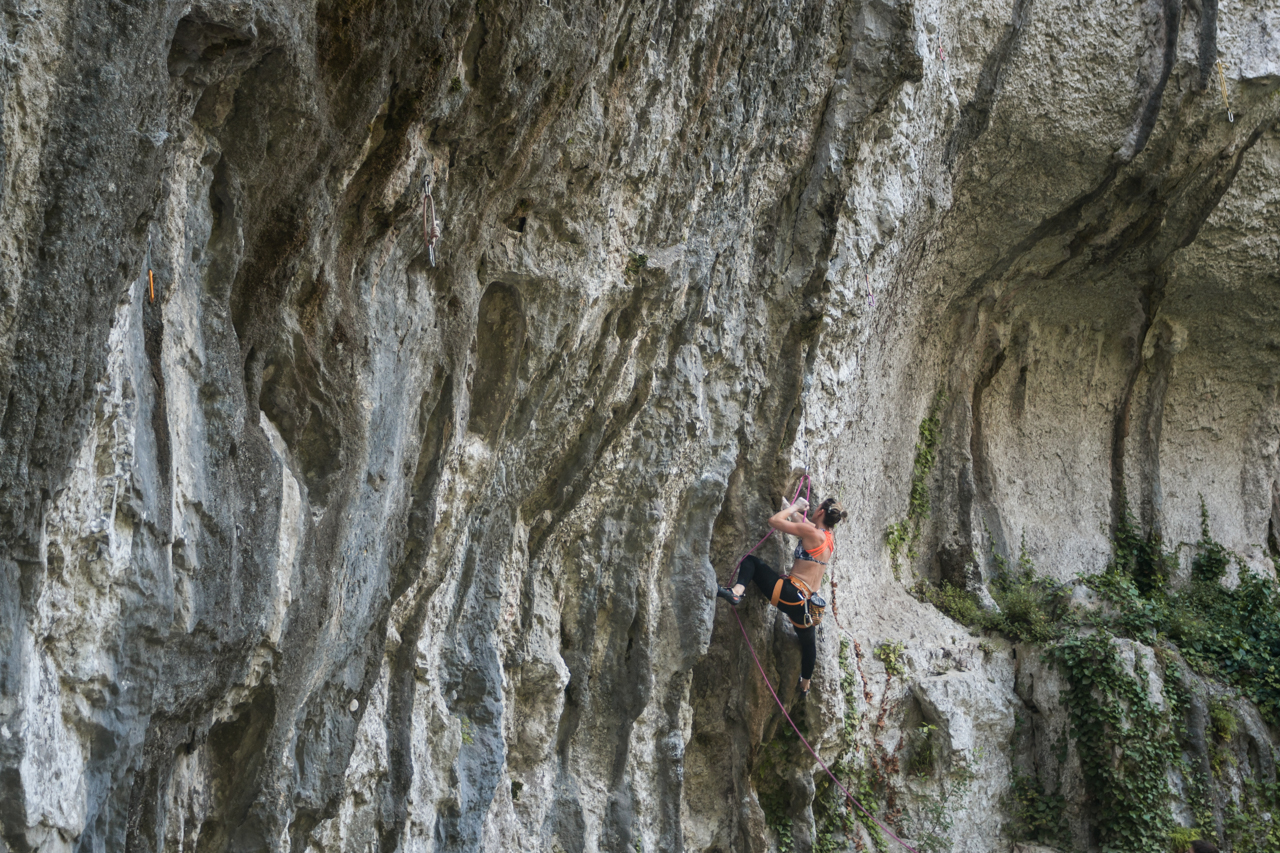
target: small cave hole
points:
(519, 218)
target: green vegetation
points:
(926, 455)
(1180, 838)
(890, 654)
(771, 784)
(1140, 558)
(920, 745)
(936, 816)
(863, 787)
(1038, 817)
(899, 538)
(1232, 635)
(961, 605)
(835, 824)
(1127, 743)
(785, 843)
(770, 788)
(836, 819)
(1222, 723)
(1031, 607)
(636, 263)
(849, 689)
(1250, 823)
(1123, 740)
(902, 536)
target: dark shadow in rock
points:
(500, 332)
(199, 43)
(293, 398)
(565, 824)
(235, 758)
(436, 414)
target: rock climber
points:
(796, 594)
(1201, 846)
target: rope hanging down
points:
(430, 225)
(804, 480)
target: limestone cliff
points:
(307, 543)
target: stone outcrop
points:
(307, 543)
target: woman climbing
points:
(795, 594)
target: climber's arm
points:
(782, 520)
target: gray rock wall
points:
(309, 544)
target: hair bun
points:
(833, 511)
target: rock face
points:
(309, 544)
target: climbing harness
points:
(1222, 82)
(804, 481)
(430, 225)
(815, 607)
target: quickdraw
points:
(430, 225)
(151, 276)
(1222, 82)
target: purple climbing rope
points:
(804, 479)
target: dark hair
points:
(1199, 846)
(832, 512)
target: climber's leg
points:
(755, 569)
(752, 569)
(808, 654)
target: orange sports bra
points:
(825, 549)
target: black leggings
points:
(755, 569)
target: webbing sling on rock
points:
(804, 480)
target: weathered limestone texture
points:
(307, 544)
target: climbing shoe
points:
(801, 691)
(727, 595)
